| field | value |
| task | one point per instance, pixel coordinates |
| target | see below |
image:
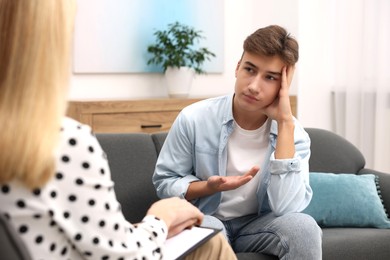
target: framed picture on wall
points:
(112, 36)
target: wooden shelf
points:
(147, 115)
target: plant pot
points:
(179, 81)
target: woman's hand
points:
(178, 214)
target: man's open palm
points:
(219, 183)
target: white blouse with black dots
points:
(76, 214)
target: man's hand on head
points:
(280, 109)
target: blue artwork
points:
(112, 36)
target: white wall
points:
(315, 82)
(300, 17)
(241, 18)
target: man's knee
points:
(302, 232)
(213, 222)
(307, 225)
(301, 236)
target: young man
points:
(242, 159)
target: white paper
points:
(179, 244)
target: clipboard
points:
(181, 245)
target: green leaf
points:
(175, 47)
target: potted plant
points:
(174, 50)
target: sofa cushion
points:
(132, 158)
(346, 200)
(384, 183)
(159, 139)
(355, 243)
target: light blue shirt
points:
(196, 148)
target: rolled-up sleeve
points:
(278, 166)
(289, 189)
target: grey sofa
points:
(132, 157)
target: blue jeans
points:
(291, 236)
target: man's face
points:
(258, 80)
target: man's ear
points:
(237, 67)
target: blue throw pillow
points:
(346, 200)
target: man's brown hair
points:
(273, 40)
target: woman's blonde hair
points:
(35, 39)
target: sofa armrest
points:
(384, 183)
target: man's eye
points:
(271, 77)
(249, 69)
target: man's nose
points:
(255, 85)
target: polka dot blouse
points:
(76, 215)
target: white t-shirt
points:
(245, 149)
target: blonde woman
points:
(52, 172)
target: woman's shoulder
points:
(71, 128)
(77, 137)
(71, 125)
(79, 149)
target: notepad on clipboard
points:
(179, 246)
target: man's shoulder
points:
(205, 113)
(209, 103)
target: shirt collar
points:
(228, 117)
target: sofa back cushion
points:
(159, 139)
(132, 158)
(329, 152)
(332, 153)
